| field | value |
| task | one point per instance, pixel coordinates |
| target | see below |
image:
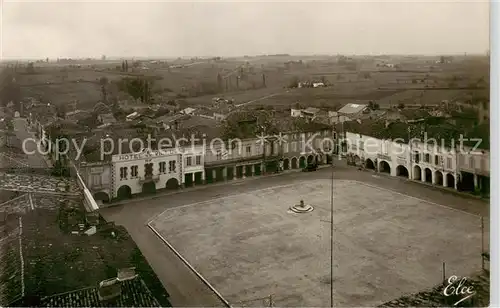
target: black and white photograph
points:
(248, 154)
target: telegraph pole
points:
(331, 241)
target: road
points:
(35, 160)
(261, 98)
(185, 288)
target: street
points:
(35, 160)
(185, 288)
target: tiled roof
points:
(134, 293)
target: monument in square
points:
(301, 208)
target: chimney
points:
(109, 289)
(125, 274)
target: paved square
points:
(385, 244)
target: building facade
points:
(474, 168)
(146, 172)
(97, 178)
(418, 161)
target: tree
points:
(61, 111)
(30, 68)
(294, 82)
(401, 106)
(103, 81)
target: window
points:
(249, 149)
(148, 169)
(294, 146)
(171, 166)
(96, 179)
(286, 147)
(417, 157)
(427, 158)
(436, 160)
(198, 160)
(189, 161)
(219, 155)
(123, 173)
(162, 166)
(134, 171)
(448, 163)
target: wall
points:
(193, 152)
(475, 163)
(88, 200)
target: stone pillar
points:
(214, 175)
(476, 184)
(445, 180)
(244, 171)
(456, 181)
(423, 175)
(434, 178)
(235, 172)
(224, 173)
(253, 169)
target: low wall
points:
(88, 199)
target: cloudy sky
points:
(37, 29)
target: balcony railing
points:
(148, 178)
(98, 186)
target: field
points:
(385, 244)
(196, 80)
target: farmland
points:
(195, 82)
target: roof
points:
(312, 110)
(134, 294)
(107, 118)
(352, 108)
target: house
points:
(309, 113)
(188, 110)
(351, 112)
(106, 118)
(133, 116)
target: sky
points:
(36, 29)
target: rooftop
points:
(352, 108)
(134, 293)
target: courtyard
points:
(386, 244)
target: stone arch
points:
(370, 164)
(302, 162)
(172, 183)
(450, 180)
(356, 160)
(294, 163)
(384, 167)
(428, 175)
(286, 164)
(402, 171)
(124, 192)
(101, 196)
(438, 175)
(417, 173)
(149, 187)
